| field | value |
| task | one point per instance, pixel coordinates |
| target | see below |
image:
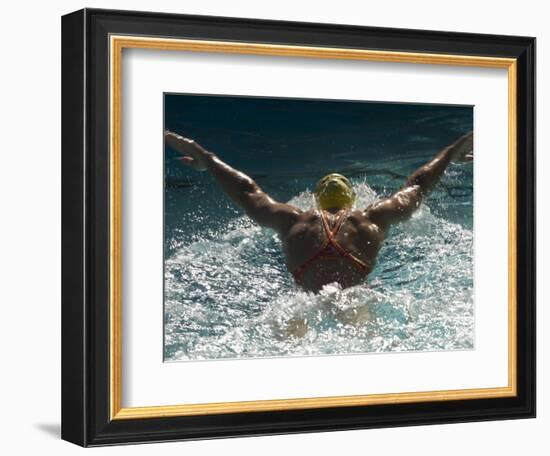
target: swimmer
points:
(334, 242)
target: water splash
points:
(228, 294)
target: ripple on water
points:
(229, 295)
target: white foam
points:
(229, 295)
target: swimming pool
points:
(228, 293)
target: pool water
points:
(228, 293)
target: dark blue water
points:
(227, 291)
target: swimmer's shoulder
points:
(357, 216)
(309, 215)
(306, 222)
(360, 220)
(306, 219)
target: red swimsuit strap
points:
(330, 240)
(330, 234)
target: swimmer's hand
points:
(194, 155)
(463, 148)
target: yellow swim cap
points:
(334, 191)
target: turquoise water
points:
(228, 293)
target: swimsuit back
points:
(331, 249)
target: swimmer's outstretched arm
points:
(400, 206)
(258, 205)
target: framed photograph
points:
(278, 227)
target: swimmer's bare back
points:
(301, 231)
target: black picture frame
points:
(86, 416)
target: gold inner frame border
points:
(116, 46)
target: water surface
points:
(228, 293)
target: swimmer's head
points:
(334, 191)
